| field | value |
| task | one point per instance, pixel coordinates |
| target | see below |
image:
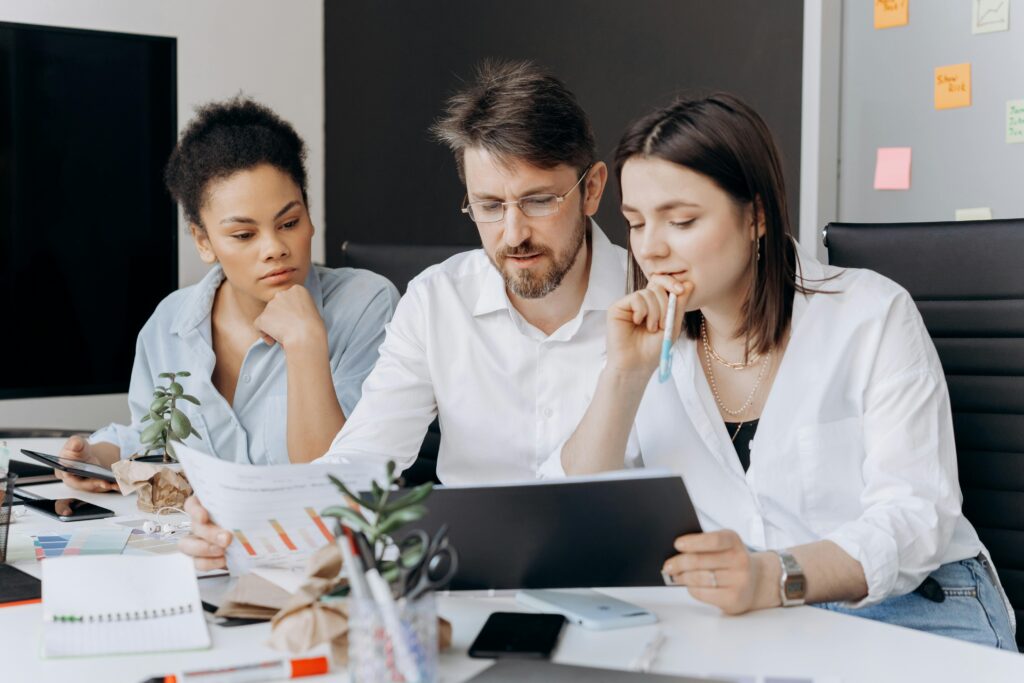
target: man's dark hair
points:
(227, 137)
(517, 111)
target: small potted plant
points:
(168, 422)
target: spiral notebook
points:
(121, 604)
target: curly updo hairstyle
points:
(225, 138)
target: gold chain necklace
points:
(709, 350)
(750, 397)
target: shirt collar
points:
(199, 303)
(606, 283)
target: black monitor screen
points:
(88, 242)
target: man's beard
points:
(530, 285)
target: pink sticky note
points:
(892, 168)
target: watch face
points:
(795, 587)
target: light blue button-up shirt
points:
(355, 305)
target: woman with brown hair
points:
(805, 406)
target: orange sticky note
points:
(892, 168)
(953, 86)
(890, 13)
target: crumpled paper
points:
(306, 622)
(253, 597)
(159, 486)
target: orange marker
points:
(251, 673)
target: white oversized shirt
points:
(854, 445)
(506, 395)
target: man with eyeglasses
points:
(503, 344)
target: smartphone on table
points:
(518, 634)
(67, 509)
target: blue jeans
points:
(973, 609)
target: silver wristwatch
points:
(792, 584)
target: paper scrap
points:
(1015, 121)
(953, 86)
(988, 16)
(982, 213)
(891, 13)
(892, 168)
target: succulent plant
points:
(168, 422)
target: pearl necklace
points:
(714, 385)
(709, 350)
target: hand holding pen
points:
(643, 327)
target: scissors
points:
(432, 568)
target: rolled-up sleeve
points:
(398, 401)
(552, 468)
(911, 496)
(351, 364)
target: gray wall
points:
(391, 63)
(960, 156)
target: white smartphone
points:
(588, 608)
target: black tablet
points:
(76, 467)
(568, 533)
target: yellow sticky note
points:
(953, 86)
(890, 13)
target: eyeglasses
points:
(534, 205)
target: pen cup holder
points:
(6, 498)
(373, 654)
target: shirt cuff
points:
(878, 557)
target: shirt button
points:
(246, 378)
(548, 412)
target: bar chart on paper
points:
(284, 541)
(273, 511)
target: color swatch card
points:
(94, 541)
(988, 16)
(891, 13)
(892, 168)
(953, 86)
(1014, 121)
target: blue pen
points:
(665, 364)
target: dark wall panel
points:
(391, 63)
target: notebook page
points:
(118, 604)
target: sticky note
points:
(892, 168)
(988, 16)
(982, 213)
(1015, 121)
(953, 86)
(890, 13)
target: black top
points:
(742, 440)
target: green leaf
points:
(376, 490)
(166, 375)
(190, 398)
(175, 389)
(415, 496)
(180, 424)
(147, 417)
(368, 504)
(349, 518)
(196, 434)
(400, 517)
(152, 432)
(158, 404)
(184, 373)
(390, 470)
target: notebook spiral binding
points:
(110, 617)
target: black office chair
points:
(401, 263)
(967, 279)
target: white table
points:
(802, 641)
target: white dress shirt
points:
(505, 393)
(854, 445)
